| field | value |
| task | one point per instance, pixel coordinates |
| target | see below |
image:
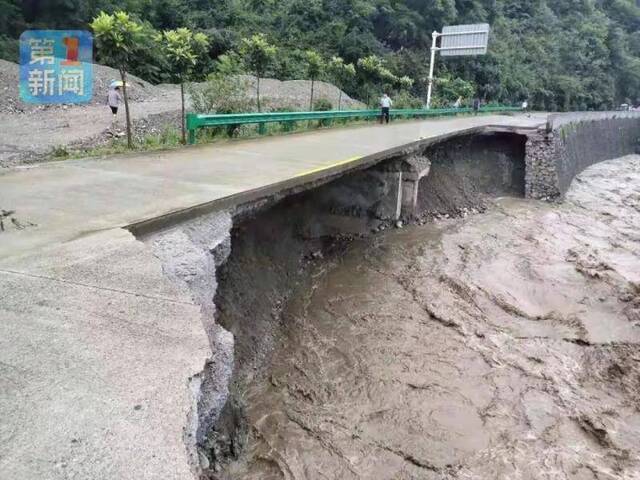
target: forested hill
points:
(560, 54)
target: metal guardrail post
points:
(191, 127)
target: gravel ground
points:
(29, 133)
(295, 94)
(139, 90)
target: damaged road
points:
(501, 345)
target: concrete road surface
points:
(71, 198)
(97, 347)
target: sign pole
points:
(434, 36)
(457, 41)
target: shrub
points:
(220, 94)
(406, 100)
(60, 151)
(322, 105)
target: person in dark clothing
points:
(476, 105)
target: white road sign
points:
(463, 40)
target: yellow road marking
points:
(327, 167)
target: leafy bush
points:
(406, 100)
(322, 105)
(221, 94)
(449, 89)
(59, 151)
(289, 64)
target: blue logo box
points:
(56, 66)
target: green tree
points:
(229, 64)
(258, 55)
(117, 38)
(449, 89)
(405, 82)
(375, 75)
(369, 74)
(220, 94)
(315, 67)
(341, 74)
(183, 48)
(561, 54)
(388, 78)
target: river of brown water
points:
(498, 346)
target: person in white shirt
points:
(113, 100)
(385, 104)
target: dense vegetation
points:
(560, 54)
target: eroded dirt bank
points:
(503, 345)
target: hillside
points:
(561, 54)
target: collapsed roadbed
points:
(243, 265)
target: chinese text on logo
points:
(56, 66)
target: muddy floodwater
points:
(500, 345)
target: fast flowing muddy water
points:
(502, 345)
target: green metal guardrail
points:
(196, 121)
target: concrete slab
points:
(96, 353)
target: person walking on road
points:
(385, 104)
(476, 105)
(113, 100)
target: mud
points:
(503, 345)
(466, 171)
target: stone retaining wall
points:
(573, 142)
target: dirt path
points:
(29, 135)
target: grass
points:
(168, 138)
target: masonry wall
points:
(573, 142)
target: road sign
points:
(464, 40)
(458, 41)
